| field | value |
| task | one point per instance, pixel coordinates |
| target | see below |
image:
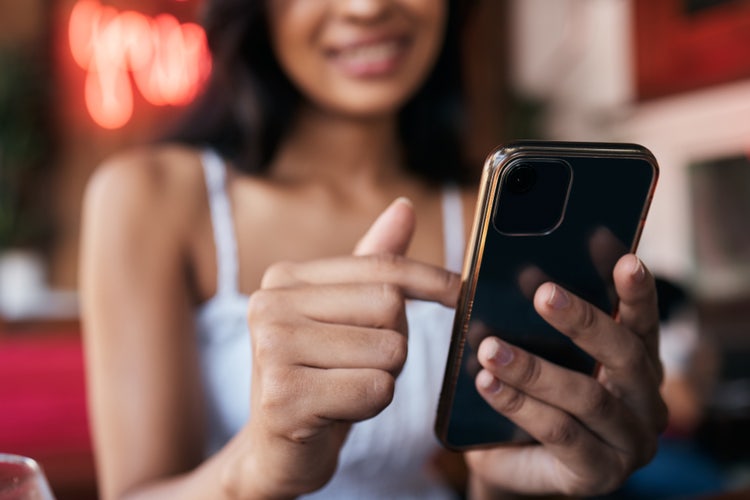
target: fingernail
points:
(403, 199)
(557, 298)
(496, 352)
(488, 382)
(637, 271)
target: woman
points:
(320, 113)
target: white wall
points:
(576, 55)
(575, 52)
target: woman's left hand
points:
(592, 432)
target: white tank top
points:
(387, 456)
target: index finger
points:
(417, 280)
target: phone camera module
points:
(521, 179)
(532, 196)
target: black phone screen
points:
(566, 219)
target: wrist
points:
(241, 476)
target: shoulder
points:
(165, 170)
(157, 185)
(141, 209)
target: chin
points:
(367, 102)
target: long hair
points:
(248, 104)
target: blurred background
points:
(80, 79)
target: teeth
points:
(370, 53)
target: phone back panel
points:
(572, 232)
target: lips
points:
(370, 59)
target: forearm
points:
(203, 482)
(227, 475)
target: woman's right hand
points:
(329, 338)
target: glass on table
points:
(21, 478)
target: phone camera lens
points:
(521, 179)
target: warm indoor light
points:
(168, 60)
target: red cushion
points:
(43, 405)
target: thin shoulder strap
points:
(222, 221)
(453, 228)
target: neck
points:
(339, 151)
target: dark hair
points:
(248, 103)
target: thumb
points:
(392, 230)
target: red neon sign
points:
(169, 61)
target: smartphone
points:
(546, 211)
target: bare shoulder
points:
(139, 212)
(149, 174)
(157, 185)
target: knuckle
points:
(529, 370)
(266, 345)
(634, 357)
(278, 274)
(394, 347)
(599, 402)
(638, 356)
(512, 402)
(391, 294)
(378, 393)
(587, 317)
(270, 333)
(449, 282)
(261, 306)
(274, 391)
(391, 300)
(564, 432)
(386, 262)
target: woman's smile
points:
(370, 58)
(361, 59)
